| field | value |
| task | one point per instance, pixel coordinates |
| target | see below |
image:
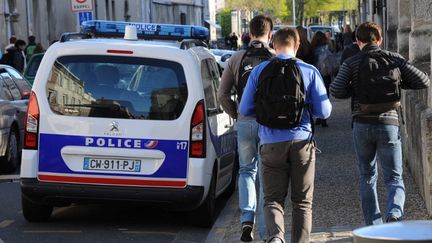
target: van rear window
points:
(117, 87)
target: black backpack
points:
(251, 58)
(379, 81)
(280, 95)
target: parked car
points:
(222, 56)
(323, 28)
(14, 92)
(280, 26)
(32, 67)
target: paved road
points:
(336, 209)
(109, 223)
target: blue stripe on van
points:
(174, 166)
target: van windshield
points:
(117, 87)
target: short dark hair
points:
(12, 39)
(19, 43)
(32, 39)
(286, 37)
(260, 25)
(369, 32)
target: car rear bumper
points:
(59, 194)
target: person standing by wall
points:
(234, 77)
(373, 79)
(287, 154)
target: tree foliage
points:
(274, 8)
(283, 8)
(224, 19)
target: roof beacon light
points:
(145, 30)
(130, 33)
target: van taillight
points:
(197, 133)
(31, 131)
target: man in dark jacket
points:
(16, 55)
(376, 134)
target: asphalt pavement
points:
(336, 210)
(95, 223)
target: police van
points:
(125, 119)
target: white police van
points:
(127, 120)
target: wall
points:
(48, 19)
(416, 133)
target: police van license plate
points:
(106, 164)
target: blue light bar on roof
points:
(145, 30)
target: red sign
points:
(81, 5)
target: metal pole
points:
(294, 12)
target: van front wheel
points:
(35, 212)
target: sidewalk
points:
(336, 209)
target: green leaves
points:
(282, 9)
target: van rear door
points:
(114, 120)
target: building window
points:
(126, 11)
(182, 18)
(107, 12)
(113, 14)
(65, 99)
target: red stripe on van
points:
(110, 181)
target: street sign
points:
(84, 16)
(81, 5)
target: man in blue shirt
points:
(288, 155)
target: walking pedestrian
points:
(235, 76)
(287, 148)
(325, 61)
(15, 56)
(350, 50)
(373, 79)
(38, 49)
(234, 41)
(347, 36)
(12, 41)
(29, 50)
(305, 52)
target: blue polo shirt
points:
(316, 99)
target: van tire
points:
(234, 177)
(205, 214)
(10, 161)
(35, 212)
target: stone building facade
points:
(48, 19)
(407, 27)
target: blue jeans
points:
(382, 141)
(248, 142)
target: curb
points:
(218, 231)
(9, 178)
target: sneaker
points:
(247, 232)
(392, 218)
(276, 240)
